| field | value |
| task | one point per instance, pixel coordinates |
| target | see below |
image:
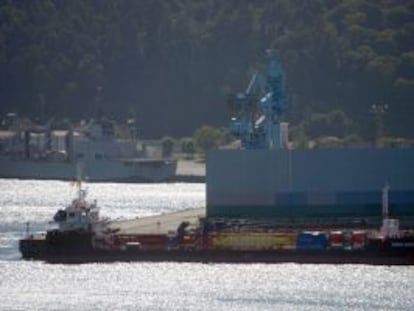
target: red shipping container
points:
(358, 239)
(336, 239)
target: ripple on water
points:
(174, 286)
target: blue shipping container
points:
(311, 240)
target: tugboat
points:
(77, 224)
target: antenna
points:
(81, 193)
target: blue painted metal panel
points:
(311, 240)
(351, 178)
(358, 197)
(402, 197)
(290, 198)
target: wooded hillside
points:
(172, 63)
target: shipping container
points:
(252, 240)
(336, 239)
(358, 239)
(311, 240)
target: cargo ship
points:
(264, 203)
(82, 236)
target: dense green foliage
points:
(207, 137)
(174, 62)
(187, 147)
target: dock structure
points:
(189, 171)
(158, 224)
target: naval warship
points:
(41, 153)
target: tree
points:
(170, 57)
(208, 137)
(167, 144)
(187, 147)
(333, 123)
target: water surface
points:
(32, 285)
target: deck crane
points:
(259, 109)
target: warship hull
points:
(114, 170)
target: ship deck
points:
(158, 224)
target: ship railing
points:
(293, 222)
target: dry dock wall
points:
(318, 183)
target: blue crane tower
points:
(259, 110)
